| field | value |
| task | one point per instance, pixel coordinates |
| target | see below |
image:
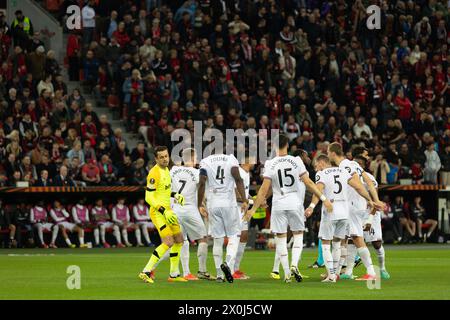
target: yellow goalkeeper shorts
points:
(164, 228)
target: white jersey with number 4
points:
(356, 202)
(220, 183)
(375, 184)
(335, 188)
(285, 173)
(185, 181)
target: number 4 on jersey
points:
(220, 175)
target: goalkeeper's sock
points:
(156, 256)
(185, 258)
(202, 255)
(320, 261)
(175, 259)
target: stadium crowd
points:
(308, 67)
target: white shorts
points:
(356, 222)
(44, 225)
(67, 225)
(191, 222)
(375, 233)
(106, 224)
(148, 224)
(281, 219)
(330, 229)
(224, 222)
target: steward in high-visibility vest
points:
(26, 26)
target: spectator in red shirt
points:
(89, 130)
(404, 105)
(91, 173)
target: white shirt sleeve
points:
(75, 216)
(135, 213)
(54, 217)
(32, 216)
(267, 172)
(114, 216)
(232, 161)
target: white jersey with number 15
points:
(285, 173)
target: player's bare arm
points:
(314, 201)
(260, 198)
(313, 188)
(240, 187)
(201, 195)
(373, 192)
(356, 184)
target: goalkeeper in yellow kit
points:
(157, 195)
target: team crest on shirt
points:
(348, 169)
(152, 181)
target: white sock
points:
(202, 254)
(327, 258)
(232, 248)
(297, 249)
(40, 234)
(81, 239)
(103, 233)
(276, 263)
(125, 235)
(336, 253)
(364, 253)
(68, 241)
(146, 235)
(240, 254)
(351, 254)
(184, 257)
(218, 255)
(342, 259)
(117, 234)
(97, 236)
(282, 252)
(54, 233)
(137, 234)
(381, 258)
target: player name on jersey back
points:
(220, 183)
(185, 181)
(285, 173)
(335, 183)
(356, 201)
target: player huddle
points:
(214, 201)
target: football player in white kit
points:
(244, 171)
(333, 182)
(357, 212)
(185, 181)
(373, 234)
(282, 173)
(219, 174)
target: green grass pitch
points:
(417, 272)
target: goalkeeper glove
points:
(179, 198)
(170, 216)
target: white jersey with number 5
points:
(356, 201)
(285, 173)
(185, 181)
(220, 183)
(335, 183)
